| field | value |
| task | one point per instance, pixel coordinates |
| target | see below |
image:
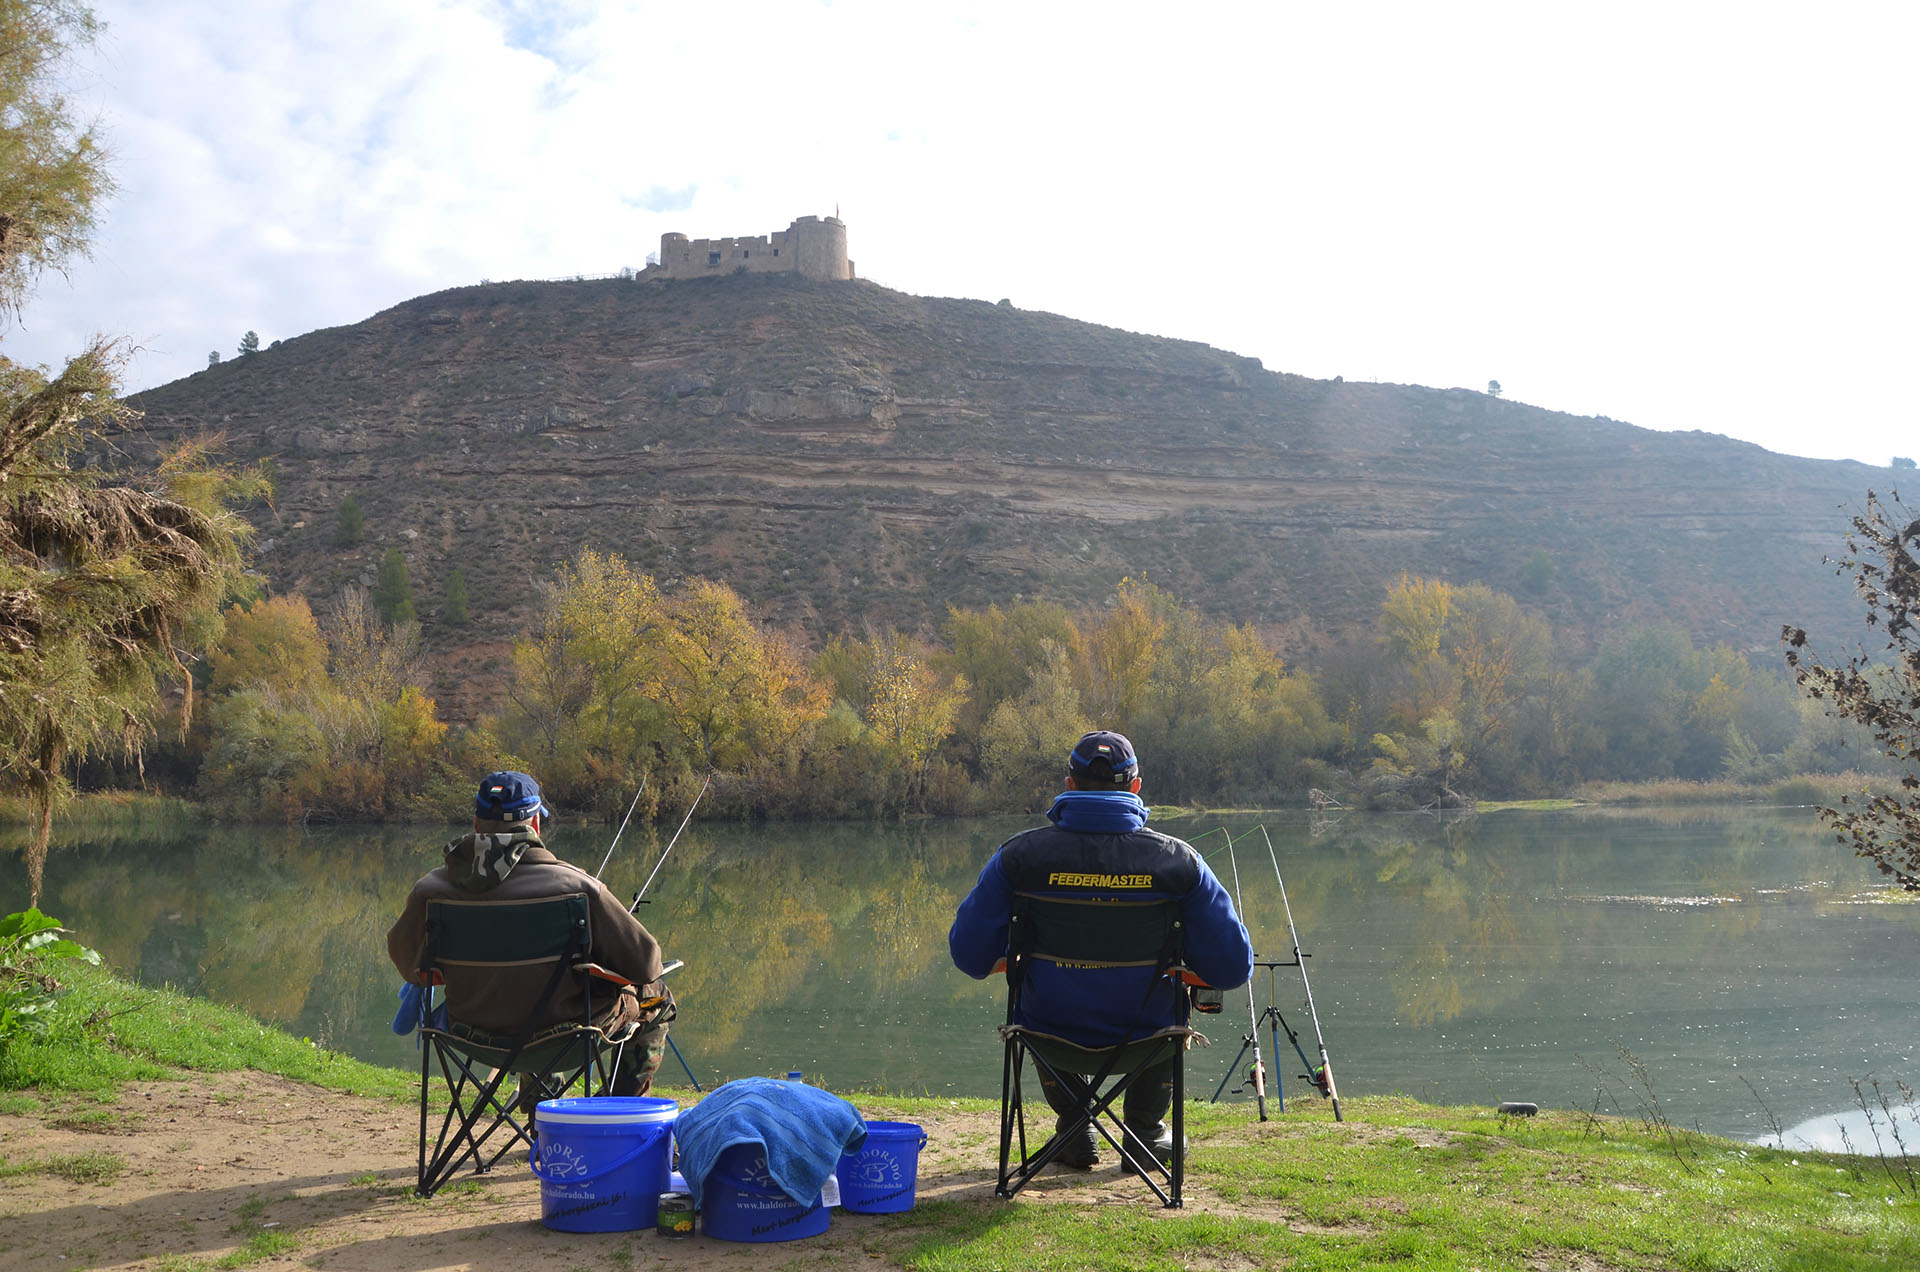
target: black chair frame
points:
(474, 1065)
(1093, 934)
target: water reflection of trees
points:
(1508, 914)
(845, 925)
(292, 925)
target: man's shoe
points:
(1159, 1138)
(1077, 1150)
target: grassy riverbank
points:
(1397, 1184)
(110, 814)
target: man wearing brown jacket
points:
(503, 859)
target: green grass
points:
(1406, 1185)
(1397, 1184)
(79, 1168)
(107, 1031)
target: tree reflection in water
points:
(1505, 956)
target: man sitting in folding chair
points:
(1097, 859)
(602, 970)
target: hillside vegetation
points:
(844, 455)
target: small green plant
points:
(29, 942)
(78, 1168)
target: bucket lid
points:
(603, 1110)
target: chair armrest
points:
(600, 973)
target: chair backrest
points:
(499, 933)
(518, 943)
(1094, 932)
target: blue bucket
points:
(742, 1203)
(603, 1161)
(878, 1179)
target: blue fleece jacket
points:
(1093, 834)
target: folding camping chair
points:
(1094, 934)
(466, 936)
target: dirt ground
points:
(217, 1159)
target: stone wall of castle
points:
(813, 247)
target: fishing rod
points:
(1253, 1014)
(639, 896)
(623, 827)
(1323, 1076)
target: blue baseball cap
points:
(507, 796)
(1103, 759)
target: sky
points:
(1682, 215)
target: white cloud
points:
(1683, 216)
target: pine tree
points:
(453, 603)
(350, 524)
(393, 590)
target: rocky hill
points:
(841, 453)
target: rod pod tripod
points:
(1250, 1041)
(1321, 1075)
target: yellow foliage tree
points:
(274, 645)
(1122, 652)
(736, 696)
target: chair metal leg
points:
(1179, 1163)
(1010, 1111)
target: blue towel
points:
(412, 1001)
(803, 1129)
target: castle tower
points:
(672, 249)
(820, 248)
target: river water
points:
(1722, 969)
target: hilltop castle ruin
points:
(812, 247)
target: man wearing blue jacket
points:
(1097, 831)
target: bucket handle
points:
(632, 1154)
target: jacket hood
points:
(482, 862)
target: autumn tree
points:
(1501, 653)
(583, 688)
(354, 737)
(107, 579)
(1467, 664)
(906, 698)
(999, 652)
(274, 644)
(1879, 689)
(738, 697)
(1121, 651)
(1024, 742)
(911, 707)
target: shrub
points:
(29, 942)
